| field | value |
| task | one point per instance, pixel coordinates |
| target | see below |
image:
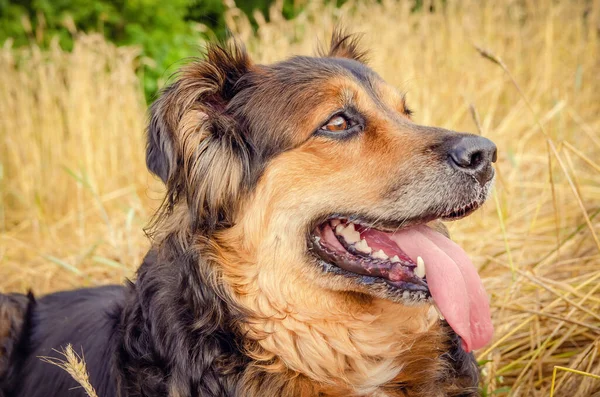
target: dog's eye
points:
(336, 124)
(343, 124)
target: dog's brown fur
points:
(307, 334)
(230, 301)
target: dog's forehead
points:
(302, 71)
(317, 75)
(327, 65)
(285, 102)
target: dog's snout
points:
(474, 155)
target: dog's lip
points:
(462, 211)
(401, 290)
(393, 225)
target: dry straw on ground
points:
(74, 193)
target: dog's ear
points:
(345, 45)
(193, 145)
(160, 153)
(204, 83)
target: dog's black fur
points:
(168, 331)
(86, 318)
(137, 340)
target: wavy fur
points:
(226, 302)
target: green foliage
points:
(11, 24)
(166, 31)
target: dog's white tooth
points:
(363, 247)
(379, 255)
(420, 269)
(432, 311)
(406, 295)
(437, 309)
(395, 259)
(339, 229)
(335, 222)
(421, 263)
(350, 234)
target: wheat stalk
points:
(75, 366)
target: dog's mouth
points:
(365, 251)
(416, 262)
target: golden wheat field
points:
(75, 194)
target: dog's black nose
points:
(474, 155)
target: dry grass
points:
(75, 195)
(72, 177)
(75, 366)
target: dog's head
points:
(315, 188)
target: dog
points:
(299, 250)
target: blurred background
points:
(76, 77)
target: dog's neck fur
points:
(331, 343)
(239, 338)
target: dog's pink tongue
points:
(453, 282)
